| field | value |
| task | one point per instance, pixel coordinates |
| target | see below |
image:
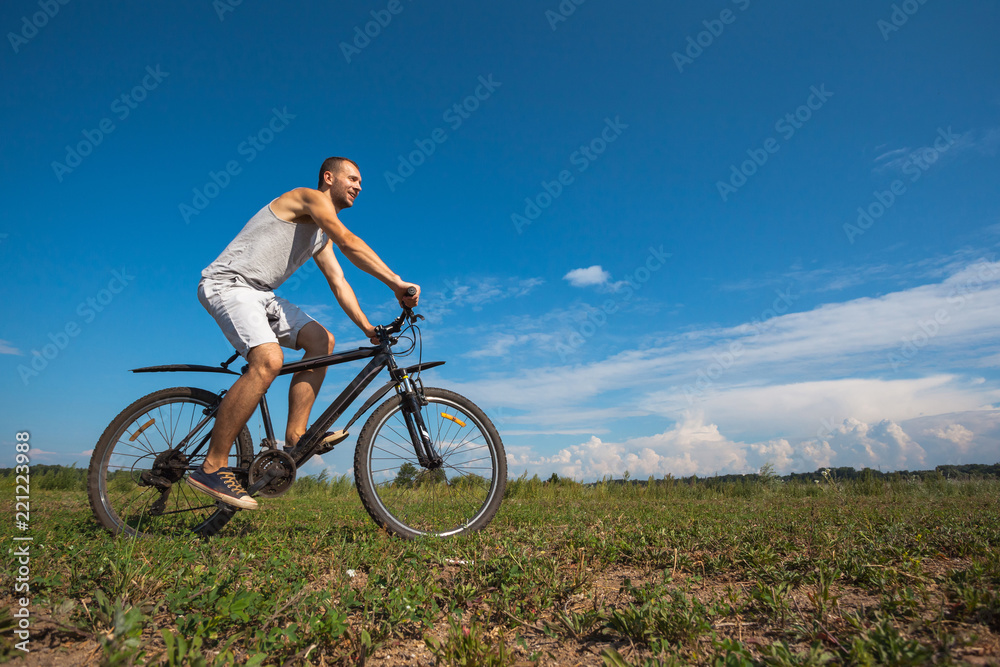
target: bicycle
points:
(427, 461)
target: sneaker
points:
(222, 485)
(329, 441)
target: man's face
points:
(346, 185)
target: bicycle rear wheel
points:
(408, 500)
(136, 477)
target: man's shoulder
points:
(298, 195)
(294, 204)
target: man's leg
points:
(316, 341)
(239, 403)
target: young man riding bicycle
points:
(237, 290)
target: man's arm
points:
(305, 201)
(330, 267)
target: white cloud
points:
(694, 447)
(803, 389)
(917, 331)
(501, 344)
(983, 141)
(691, 447)
(956, 434)
(7, 348)
(588, 277)
(962, 437)
(812, 408)
(777, 452)
(474, 294)
(881, 445)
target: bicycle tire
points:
(463, 496)
(124, 502)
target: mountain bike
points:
(427, 461)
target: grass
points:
(865, 571)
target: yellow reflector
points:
(454, 419)
(139, 432)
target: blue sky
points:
(656, 237)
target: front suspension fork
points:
(427, 456)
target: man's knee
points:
(266, 360)
(315, 340)
(328, 342)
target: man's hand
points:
(370, 332)
(401, 296)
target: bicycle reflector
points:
(139, 432)
(452, 418)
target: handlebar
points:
(384, 332)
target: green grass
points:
(865, 571)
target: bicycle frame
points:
(381, 357)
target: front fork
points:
(427, 456)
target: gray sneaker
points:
(222, 485)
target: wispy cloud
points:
(796, 390)
(984, 141)
(7, 348)
(474, 293)
(501, 344)
(839, 276)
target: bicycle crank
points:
(275, 469)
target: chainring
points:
(285, 472)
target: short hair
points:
(334, 164)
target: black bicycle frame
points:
(381, 357)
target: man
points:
(237, 290)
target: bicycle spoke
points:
(440, 501)
(145, 443)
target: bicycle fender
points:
(374, 398)
(175, 368)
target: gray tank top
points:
(267, 251)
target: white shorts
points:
(250, 317)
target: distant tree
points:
(430, 477)
(407, 473)
(469, 481)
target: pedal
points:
(331, 440)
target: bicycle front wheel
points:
(408, 500)
(136, 478)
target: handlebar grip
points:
(411, 290)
